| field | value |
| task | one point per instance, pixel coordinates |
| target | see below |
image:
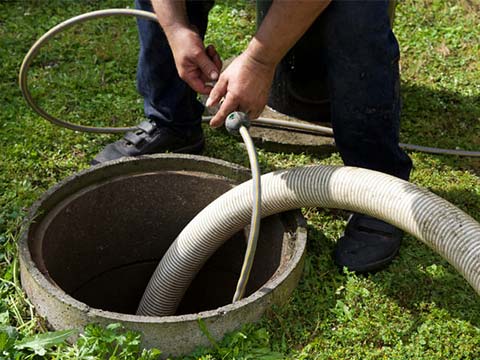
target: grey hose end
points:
(235, 121)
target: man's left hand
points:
(244, 86)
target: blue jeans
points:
(361, 54)
(168, 100)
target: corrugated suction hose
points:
(443, 227)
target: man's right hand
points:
(196, 65)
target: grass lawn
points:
(419, 308)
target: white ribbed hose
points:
(442, 226)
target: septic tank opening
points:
(102, 244)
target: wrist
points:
(177, 30)
(183, 39)
(262, 54)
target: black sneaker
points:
(150, 139)
(368, 244)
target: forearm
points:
(285, 22)
(171, 14)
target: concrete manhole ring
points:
(92, 242)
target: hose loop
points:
(27, 61)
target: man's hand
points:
(244, 85)
(246, 82)
(195, 64)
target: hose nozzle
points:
(235, 121)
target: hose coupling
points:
(235, 121)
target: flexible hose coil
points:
(32, 53)
(439, 224)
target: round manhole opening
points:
(95, 239)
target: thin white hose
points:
(256, 216)
(27, 61)
(324, 130)
(443, 227)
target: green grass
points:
(419, 308)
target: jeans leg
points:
(168, 100)
(364, 82)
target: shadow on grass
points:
(314, 297)
(441, 118)
(418, 281)
(421, 276)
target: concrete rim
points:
(58, 293)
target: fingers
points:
(206, 65)
(228, 106)
(214, 56)
(218, 91)
(198, 85)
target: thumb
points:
(207, 66)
